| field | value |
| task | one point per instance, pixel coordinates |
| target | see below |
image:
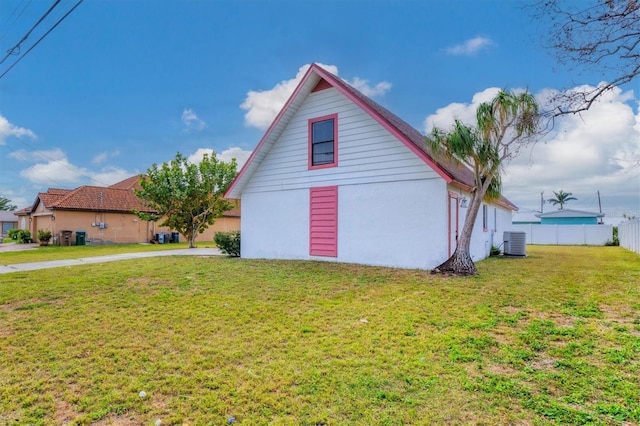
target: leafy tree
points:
(504, 126)
(5, 204)
(187, 196)
(561, 198)
(592, 35)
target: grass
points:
(550, 339)
(52, 252)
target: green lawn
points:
(51, 252)
(550, 339)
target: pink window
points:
(323, 221)
(323, 142)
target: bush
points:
(616, 240)
(494, 251)
(44, 235)
(21, 236)
(228, 242)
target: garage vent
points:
(515, 243)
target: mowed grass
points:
(550, 339)
(52, 252)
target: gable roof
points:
(569, 213)
(93, 198)
(132, 182)
(451, 170)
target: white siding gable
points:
(367, 152)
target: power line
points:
(26, 36)
(43, 36)
(10, 22)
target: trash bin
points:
(160, 237)
(65, 238)
(81, 238)
(175, 237)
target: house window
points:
(323, 142)
(485, 218)
(323, 221)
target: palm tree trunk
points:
(460, 262)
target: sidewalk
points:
(21, 267)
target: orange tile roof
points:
(97, 198)
(132, 182)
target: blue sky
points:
(120, 85)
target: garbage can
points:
(175, 237)
(81, 238)
(160, 237)
(65, 238)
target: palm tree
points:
(504, 126)
(561, 198)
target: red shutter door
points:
(323, 221)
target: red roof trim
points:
(269, 130)
(338, 84)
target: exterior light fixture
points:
(463, 202)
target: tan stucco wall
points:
(120, 227)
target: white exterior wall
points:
(367, 152)
(498, 221)
(392, 207)
(400, 229)
(406, 228)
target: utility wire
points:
(10, 23)
(43, 36)
(24, 37)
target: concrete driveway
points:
(21, 267)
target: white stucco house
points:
(337, 177)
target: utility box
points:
(65, 238)
(515, 243)
(81, 238)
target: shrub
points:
(494, 251)
(616, 240)
(21, 236)
(228, 242)
(44, 235)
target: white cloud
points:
(54, 172)
(41, 155)
(53, 168)
(596, 150)
(104, 156)
(191, 121)
(109, 175)
(363, 86)
(7, 129)
(239, 154)
(263, 106)
(469, 47)
(444, 117)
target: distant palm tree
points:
(561, 198)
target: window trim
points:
(310, 141)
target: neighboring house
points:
(525, 218)
(103, 214)
(570, 217)
(8, 220)
(338, 177)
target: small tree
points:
(187, 196)
(5, 205)
(503, 127)
(561, 198)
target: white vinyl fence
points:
(629, 235)
(570, 235)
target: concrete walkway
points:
(21, 267)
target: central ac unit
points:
(515, 243)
